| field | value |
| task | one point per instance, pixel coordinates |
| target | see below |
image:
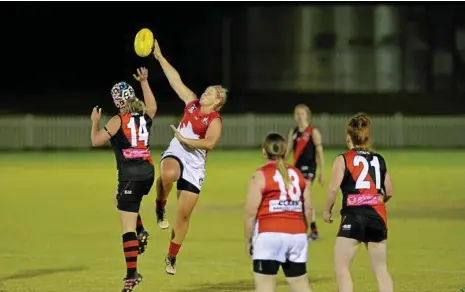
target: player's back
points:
(281, 209)
(363, 184)
(131, 147)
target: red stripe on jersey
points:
(302, 142)
(355, 171)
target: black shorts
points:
(182, 184)
(130, 193)
(362, 228)
(308, 172)
(270, 267)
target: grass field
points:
(60, 232)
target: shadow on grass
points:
(239, 285)
(41, 272)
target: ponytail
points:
(281, 166)
(275, 148)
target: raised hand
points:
(142, 74)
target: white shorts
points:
(281, 247)
(192, 175)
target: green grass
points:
(60, 232)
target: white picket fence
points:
(31, 132)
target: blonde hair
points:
(358, 130)
(133, 105)
(305, 108)
(222, 94)
(275, 147)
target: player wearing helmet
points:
(129, 133)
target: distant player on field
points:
(129, 134)
(184, 160)
(278, 213)
(366, 187)
(306, 143)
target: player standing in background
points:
(279, 208)
(366, 187)
(184, 160)
(129, 134)
(306, 143)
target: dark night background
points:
(62, 58)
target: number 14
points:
(143, 133)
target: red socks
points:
(160, 204)
(174, 249)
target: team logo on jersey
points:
(205, 121)
(192, 108)
(305, 135)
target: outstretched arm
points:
(149, 97)
(211, 137)
(173, 77)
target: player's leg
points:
(170, 171)
(142, 234)
(351, 233)
(268, 253)
(295, 267)
(128, 205)
(186, 203)
(313, 228)
(377, 249)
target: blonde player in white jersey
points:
(184, 160)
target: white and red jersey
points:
(194, 125)
(281, 209)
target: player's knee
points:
(169, 176)
(128, 206)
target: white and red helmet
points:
(121, 92)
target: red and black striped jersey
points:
(363, 184)
(304, 150)
(131, 148)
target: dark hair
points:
(358, 130)
(275, 147)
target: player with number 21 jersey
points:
(362, 176)
(278, 215)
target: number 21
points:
(143, 133)
(361, 182)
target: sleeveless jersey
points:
(304, 150)
(281, 210)
(363, 184)
(194, 125)
(131, 148)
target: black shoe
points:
(130, 283)
(162, 220)
(143, 238)
(170, 265)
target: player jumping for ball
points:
(306, 143)
(184, 160)
(278, 213)
(362, 176)
(129, 134)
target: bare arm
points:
(149, 97)
(100, 136)
(387, 188)
(253, 201)
(308, 206)
(289, 144)
(336, 179)
(320, 157)
(211, 137)
(173, 77)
